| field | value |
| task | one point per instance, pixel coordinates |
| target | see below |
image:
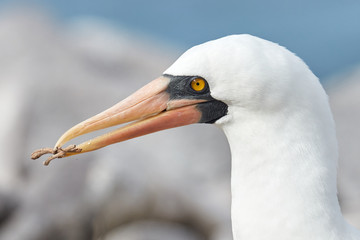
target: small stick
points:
(38, 153)
(57, 153)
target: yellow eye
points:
(198, 84)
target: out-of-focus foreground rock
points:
(169, 185)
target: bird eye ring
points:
(198, 84)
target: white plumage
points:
(282, 139)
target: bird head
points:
(209, 83)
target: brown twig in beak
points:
(57, 153)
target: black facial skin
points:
(180, 88)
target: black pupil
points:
(198, 83)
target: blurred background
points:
(63, 61)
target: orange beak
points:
(149, 110)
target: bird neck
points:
(284, 177)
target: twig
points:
(57, 153)
(38, 153)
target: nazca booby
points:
(277, 120)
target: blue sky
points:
(325, 33)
